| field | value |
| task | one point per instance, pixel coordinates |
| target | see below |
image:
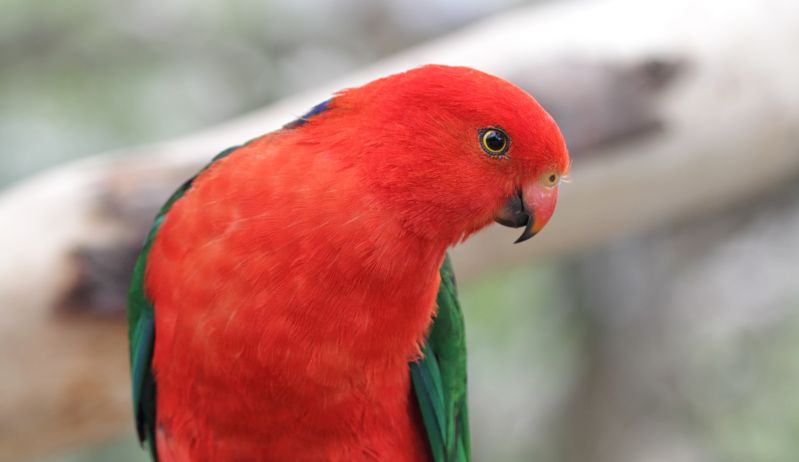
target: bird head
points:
(447, 150)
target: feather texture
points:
(284, 304)
(141, 329)
(439, 378)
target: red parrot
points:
(293, 301)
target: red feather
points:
(295, 280)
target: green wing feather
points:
(141, 328)
(439, 378)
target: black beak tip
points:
(515, 214)
(527, 234)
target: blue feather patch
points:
(319, 108)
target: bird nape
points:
(293, 300)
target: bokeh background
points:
(657, 319)
(94, 75)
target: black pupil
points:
(552, 178)
(495, 140)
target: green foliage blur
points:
(696, 354)
(85, 76)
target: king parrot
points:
(293, 300)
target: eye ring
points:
(494, 141)
(551, 179)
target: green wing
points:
(141, 329)
(439, 379)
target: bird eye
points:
(551, 179)
(494, 141)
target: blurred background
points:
(656, 319)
